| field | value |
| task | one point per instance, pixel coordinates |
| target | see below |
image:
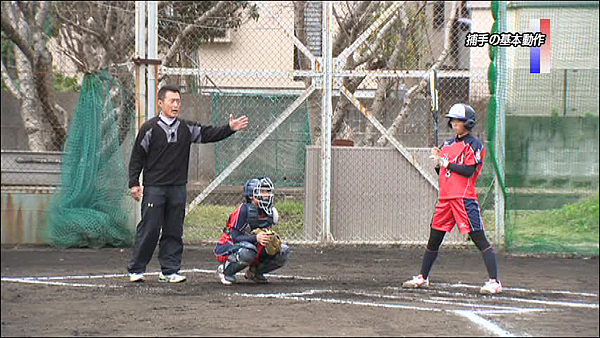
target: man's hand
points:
(136, 193)
(263, 238)
(239, 123)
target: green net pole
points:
(495, 114)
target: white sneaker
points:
(136, 277)
(225, 280)
(417, 282)
(491, 286)
(172, 278)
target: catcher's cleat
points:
(417, 282)
(172, 278)
(225, 280)
(491, 286)
(256, 277)
(137, 277)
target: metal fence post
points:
(326, 121)
(501, 94)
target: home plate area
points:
(513, 312)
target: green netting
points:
(281, 156)
(551, 130)
(90, 208)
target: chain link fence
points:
(551, 125)
(266, 60)
(262, 66)
(65, 142)
(245, 62)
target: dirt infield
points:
(338, 291)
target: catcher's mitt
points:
(274, 245)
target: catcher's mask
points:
(260, 188)
(461, 111)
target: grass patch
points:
(572, 228)
(206, 222)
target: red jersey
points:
(466, 151)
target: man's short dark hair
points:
(168, 88)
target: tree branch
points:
(16, 38)
(78, 26)
(221, 5)
(10, 84)
(424, 80)
(40, 16)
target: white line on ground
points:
(462, 285)
(526, 300)
(438, 300)
(123, 275)
(471, 315)
(33, 281)
(336, 301)
(39, 279)
(550, 302)
(488, 325)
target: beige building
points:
(264, 46)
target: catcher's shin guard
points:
(231, 268)
(240, 259)
(274, 262)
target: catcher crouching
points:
(248, 239)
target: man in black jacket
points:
(162, 150)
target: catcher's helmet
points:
(461, 111)
(262, 189)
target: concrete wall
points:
(552, 152)
(195, 107)
(376, 195)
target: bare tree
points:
(398, 45)
(95, 35)
(23, 23)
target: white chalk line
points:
(488, 325)
(34, 281)
(122, 275)
(470, 315)
(437, 300)
(44, 279)
(333, 300)
(526, 300)
(584, 294)
(468, 286)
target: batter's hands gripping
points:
(435, 156)
(273, 246)
(437, 160)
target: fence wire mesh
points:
(552, 133)
(264, 60)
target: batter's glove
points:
(274, 245)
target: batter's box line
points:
(470, 315)
(155, 273)
(46, 282)
(584, 294)
(522, 290)
(499, 297)
(456, 301)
